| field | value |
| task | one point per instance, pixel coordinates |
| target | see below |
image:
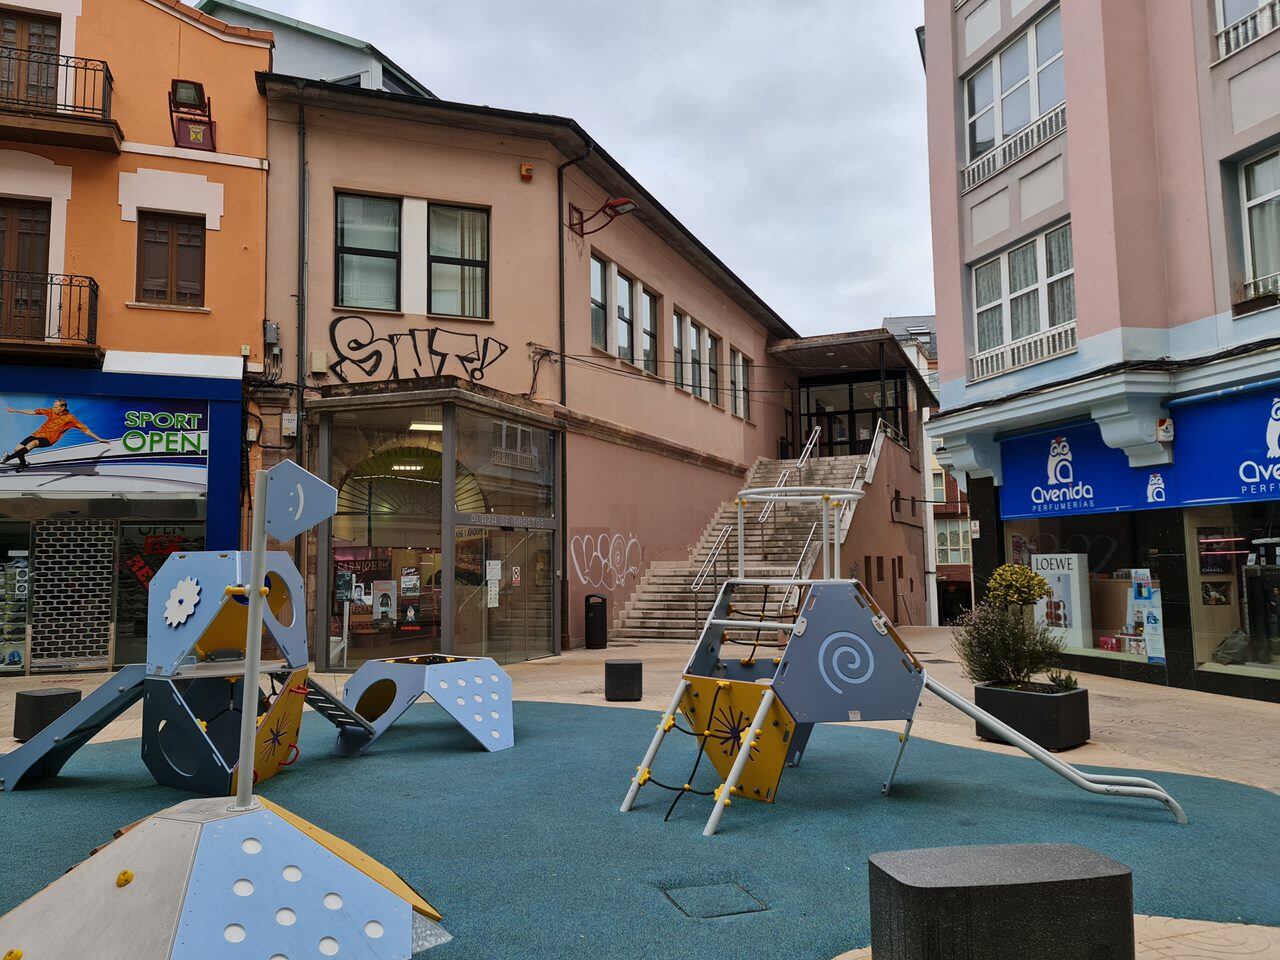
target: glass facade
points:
(408, 576)
(847, 410)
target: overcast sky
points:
(788, 135)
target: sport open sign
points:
(163, 431)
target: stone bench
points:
(1029, 901)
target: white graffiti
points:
(605, 560)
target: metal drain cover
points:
(713, 900)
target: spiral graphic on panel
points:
(849, 662)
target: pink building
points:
(1105, 183)
(531, 384)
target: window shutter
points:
(153, 279)
(189, 282)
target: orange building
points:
(132, 275)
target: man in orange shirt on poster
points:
(57, 422)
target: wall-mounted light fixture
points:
(611, 209)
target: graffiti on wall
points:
(417, 352)
(604, 561)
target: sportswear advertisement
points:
(67, 445)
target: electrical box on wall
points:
(288, 424)
(526, 171)
(319, 363)
(270, 333)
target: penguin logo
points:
(1060, 461)
(1155, 488)
(1273, 430)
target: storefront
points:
(402, 575)
(105, 475)
(1169, 573)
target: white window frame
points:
(592, 301)
(1043, 281)
(715, 346)
(1246, 205)
(1034, 69)
(633, 286)
(943, 528)
(646, 298)
(939, 488)
(697, 347)
(735, 364)
(679, 351)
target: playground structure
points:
(836, 659)
(192, 685)
(204, 878)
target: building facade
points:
(1105, 184)
(132, 225)
(528, 381)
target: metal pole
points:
(742, 551)
(654, 744)
(835, 540)
(826, 531)
(253, 644)
(739, 763)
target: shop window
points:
(458, 261)
(143, 549)
(368, 252)
(170, 259)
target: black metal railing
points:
(37, 82)
(48, 307)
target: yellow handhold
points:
(722, 684)
(264, 591)
(668, 722)
(204, 725)
(234, 591)
(124, 878)
(642, 777)
(14, 954)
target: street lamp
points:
(611, 209)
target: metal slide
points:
(45, 753)
(1093, 782)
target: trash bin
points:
(597, 613)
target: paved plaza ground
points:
(1205, 878)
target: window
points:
(695, 359)
(735, 382)
(626, 325)
(713, 368)
(939, 487)
(170, 259)
(879, 569)
(368, 252)
(1025, 291)
(599, 310)
(953, 540)
(458, 261)
(897, 501)
(1021, 83)
(1233, 11)
(649, 332)
(1262, 220)
(744, 386)
(677, 347)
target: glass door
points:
(505, 594)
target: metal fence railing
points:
(37, 82)
(48, 306)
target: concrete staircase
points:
(664, 607)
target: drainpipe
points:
(300, 439)
(561, 640)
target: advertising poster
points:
(1066, 606)
(410, 582)
(384, 601)
(78, 445)
(1146, 616)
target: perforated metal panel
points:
(72, 575)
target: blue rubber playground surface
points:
(526, 855)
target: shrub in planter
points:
(1013, 585)
(1002, 652)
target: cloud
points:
(789, 135)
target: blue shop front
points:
(103, 475)
(1169, 574)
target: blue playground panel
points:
(528, 859)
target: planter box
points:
(1054, 720)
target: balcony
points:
(56, 100)
(1015, 147)
(1246, 30)
(1037, 348)
(48, 317)
(1262, 287)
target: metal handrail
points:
(768, 507)
(808, 447)
(48, 306)
(709, 563)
